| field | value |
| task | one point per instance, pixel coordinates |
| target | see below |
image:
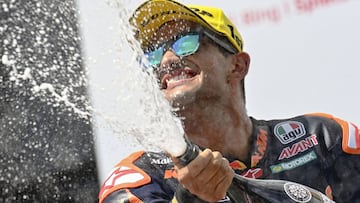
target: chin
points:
(181, 97)
(182, 101)
(184, 94)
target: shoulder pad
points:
(124, 175)
(350, 134)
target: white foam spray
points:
(141, 112)
(23, 75)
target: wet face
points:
(201, 76)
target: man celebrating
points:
(197, 55)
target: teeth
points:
(179, 77)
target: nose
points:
(168, 59)
(169, 62)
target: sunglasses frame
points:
(215, 37)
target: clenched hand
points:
(208, 176)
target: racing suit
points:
(316, 150)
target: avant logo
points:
(301, 146)
(289, 131)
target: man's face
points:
(202, 76)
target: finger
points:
(188, 175)
(216, 191)
(222, 182)
(222, 173)
(217, 172)
(216, 165)
(222, 187)
(199, 164)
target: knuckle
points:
(217, 154)
(225, 161)
(207, 154)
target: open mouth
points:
(177, 77)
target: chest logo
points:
(301, 146)
(289, 131)
(253, 173)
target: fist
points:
(208, 176)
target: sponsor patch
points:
(298, 147)
(284, 166)
(162, 161)
(289, 131)
(253, 173)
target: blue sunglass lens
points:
(154, 57)
(184, 46)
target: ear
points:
(241, 62)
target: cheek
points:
(214, 69)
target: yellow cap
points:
(152, 14)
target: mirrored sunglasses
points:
(184, 45)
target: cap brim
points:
(151, 15)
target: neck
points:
(226, 129)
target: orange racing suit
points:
(316, 150)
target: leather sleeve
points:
(141, 177)
(337, 128)
(125, 175)
(342, 139)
